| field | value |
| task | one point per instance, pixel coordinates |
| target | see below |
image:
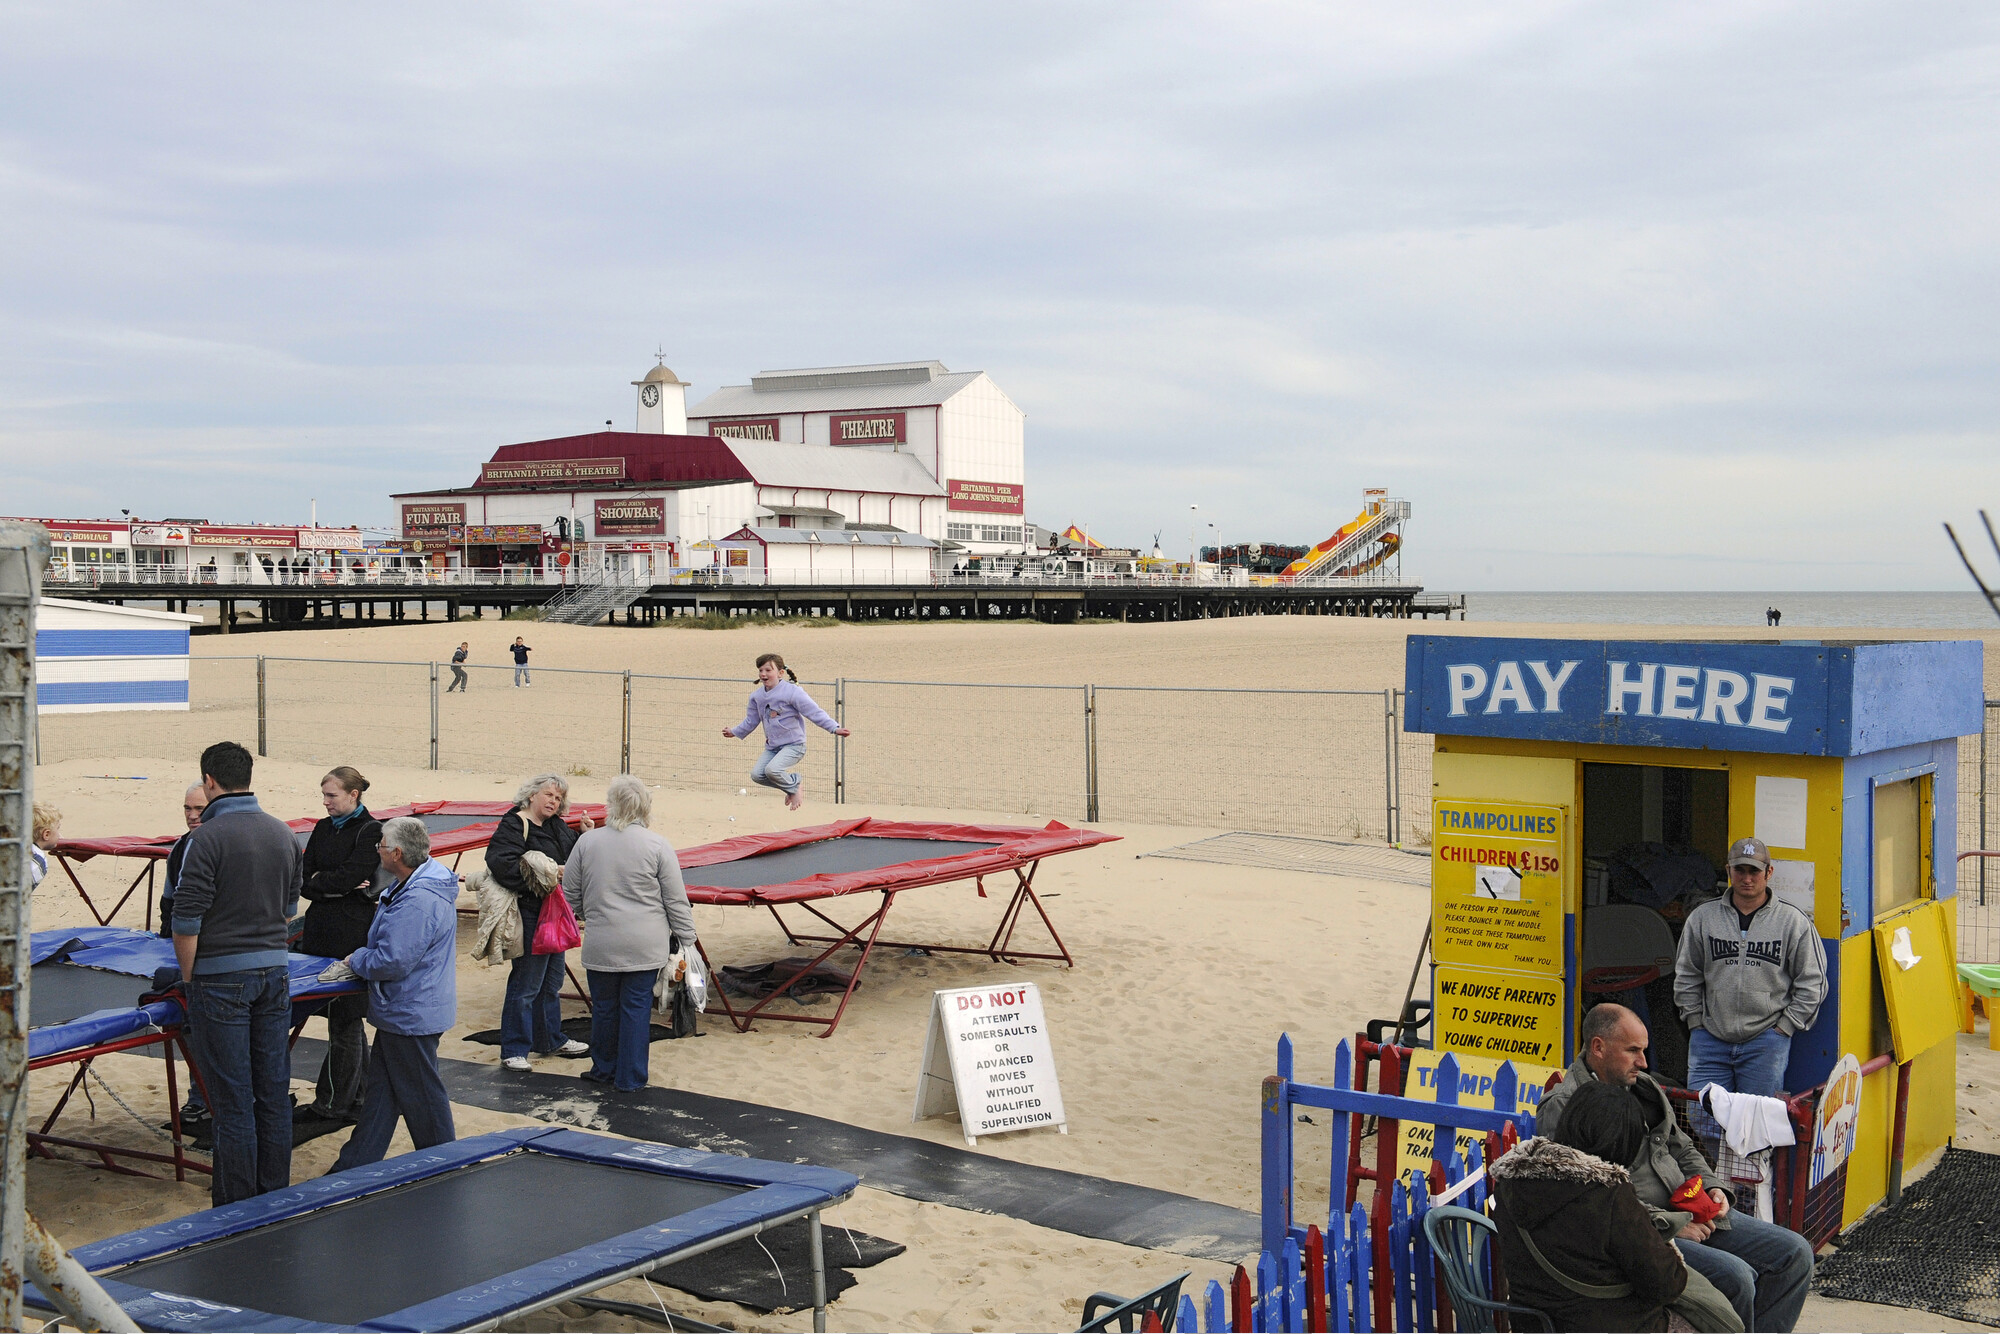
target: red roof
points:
(649, 457)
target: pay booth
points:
(1585, 795)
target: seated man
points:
(1764, 1270)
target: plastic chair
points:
(1981, 980)
(1129, 1313)
(1459, 1239)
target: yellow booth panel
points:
(1919, 977)
(1933, 1108)
(1899, 857)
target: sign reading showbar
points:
(984, 497)
(552, 470)
(631, 516)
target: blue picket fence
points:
(1360, 1272)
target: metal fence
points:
(1329, 763)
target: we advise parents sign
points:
(986, 1052)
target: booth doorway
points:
(1654, 839)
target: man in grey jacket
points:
(1750, 974)
(1764, 1270)
(239, 885)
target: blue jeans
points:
(239, 1028)
(772, 764)
(403, 1081)
(1756, 1066)
(1763, 1269)
(531, 1013)
(621, 1024)
(521, 676)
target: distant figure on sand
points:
(1772, 615)
(458, 657)
(783, 709)
(520, 652)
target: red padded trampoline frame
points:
(1018, 850)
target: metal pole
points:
(434, 715)
(262, 714)
(1090, 753)
(66, 1283)
(819, 1273)
(1390, 833)
(625, 728)
(840, 742)
(1985, 730)
(24, 551)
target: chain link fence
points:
(1325, 763)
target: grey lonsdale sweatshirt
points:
(1737, 984)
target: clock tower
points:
(662, 401)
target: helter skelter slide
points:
(1374, 536)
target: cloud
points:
(1689, 296)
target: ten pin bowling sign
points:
(987, 1052)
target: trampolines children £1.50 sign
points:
(987, 1053)
(1497, 885)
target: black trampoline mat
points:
(65, 991)
(444, 824)
(849, 852)
(410, 1243)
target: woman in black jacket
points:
(531, 1013)
(1576, 1242)
(340, 883)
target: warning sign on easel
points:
(987, 1054)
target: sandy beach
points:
(1186, 973)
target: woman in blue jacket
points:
(412, 997)
(783, 709)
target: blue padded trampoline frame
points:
(774, 1194)
(81, 1040)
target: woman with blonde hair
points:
(531, 1013)
(42, 840)
(624, 884)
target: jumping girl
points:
(783, 709)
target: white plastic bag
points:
(697, 981)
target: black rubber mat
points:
(1938, 1250)
(828, 856)
(781, 1280)
(576, 1029)
(64, 991)
(348, 1264)
(1071, 1202)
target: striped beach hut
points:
(96, 659)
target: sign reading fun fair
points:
(987, 1052)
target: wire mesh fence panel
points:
(222, 706)
(1281, 761)
(322, 711)
(1413, 785)
(563, 722)
(1979, 829)
(1012, 749)
(677, 736)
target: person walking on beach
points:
(412, 997)
(520, 652)
(782, 708)
(458, 657)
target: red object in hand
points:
(1691, 1198)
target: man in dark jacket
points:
(238, 888)
(1764, 1270)
(342, 875)
(458, 657)
(193, 803)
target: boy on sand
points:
(520, 652)
(783, 709)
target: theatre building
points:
(908, 448)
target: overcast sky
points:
(1618, 296)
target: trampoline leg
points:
(819, 1274)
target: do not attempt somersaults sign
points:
(987, 1052)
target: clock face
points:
(650, 396)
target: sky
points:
(1617, 296)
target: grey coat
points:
(625, 887)
(1666, 1159)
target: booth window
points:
(1903, 872)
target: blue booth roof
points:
(1788, 698)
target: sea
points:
(1803, 611)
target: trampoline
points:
(461, 1236)
(456, 828)
(801, 868)
(88, 985)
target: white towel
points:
(1749, 1121)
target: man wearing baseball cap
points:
(1750, 974)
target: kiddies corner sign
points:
(1793, 699)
